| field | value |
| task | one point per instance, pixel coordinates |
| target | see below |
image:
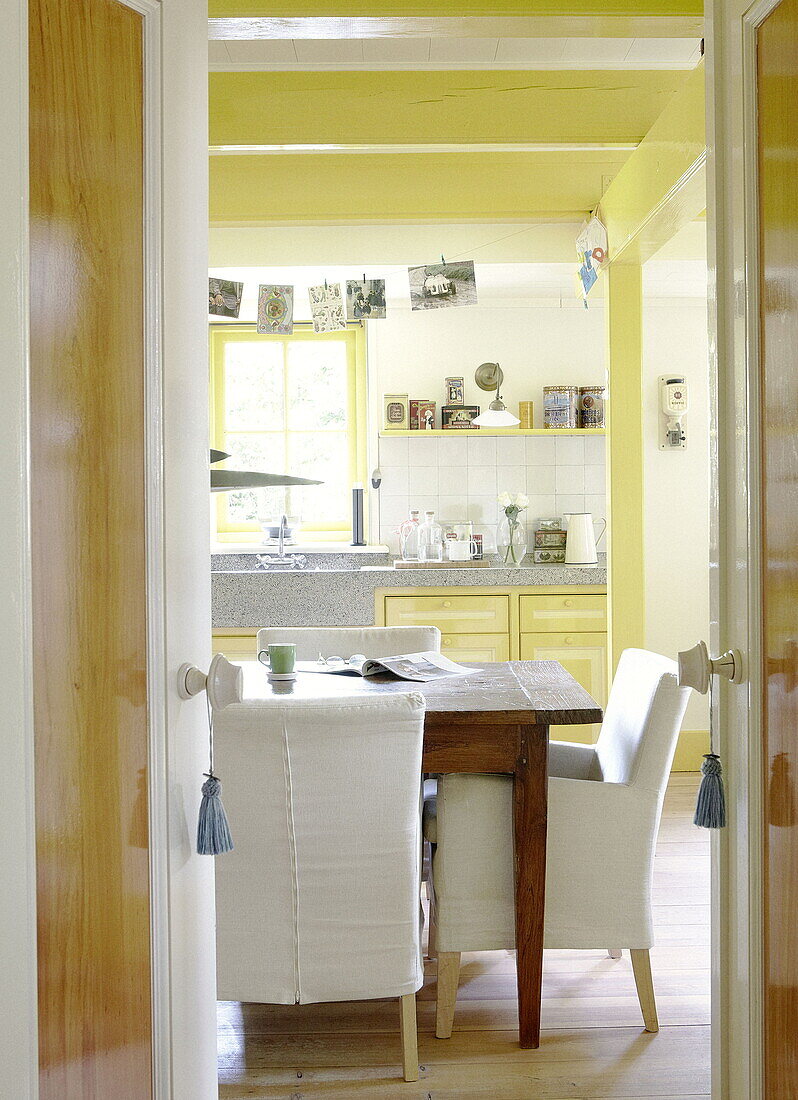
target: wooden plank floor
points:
(593, 1047)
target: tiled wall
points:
(460, 477)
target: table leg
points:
(530, 796)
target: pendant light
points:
(489, 376)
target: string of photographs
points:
(432, 286)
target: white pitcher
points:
(580, 543)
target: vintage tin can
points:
(591, 406)
(526, 414)
(395, 406)
(553, 539)
(554, 523)
(560, 406)
(549, 556)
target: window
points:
(289, 405)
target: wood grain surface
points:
(87, 466)
(777, 86)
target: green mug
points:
(280, 659)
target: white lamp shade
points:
(496, 418)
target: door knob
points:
(696, 666)
(224, 682)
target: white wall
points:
(677, 487)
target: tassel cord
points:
(710, 810)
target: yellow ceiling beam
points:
(273, 190)
(662, 186)
(263, 108)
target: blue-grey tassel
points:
(710, 809)
(213, 832)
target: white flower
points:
(505, 500)
(521, 500)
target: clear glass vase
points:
(511, 541)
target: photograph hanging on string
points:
(439, 286)
(365, 299)
(224, 297)
(327, 307)
(275, 310)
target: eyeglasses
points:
(337, 662)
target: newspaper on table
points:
(419, 667)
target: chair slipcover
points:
(319, 900)
(605, 803)
(344, 641)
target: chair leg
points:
(614, 952)
(407, 1027)
(448, 977)
(431, 935)
(641, 966)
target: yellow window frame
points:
(354, 338)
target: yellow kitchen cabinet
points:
(563, 612)
(584, 655)
(451, 614)
(239, 645)
(476, 647)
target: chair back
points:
(344, 641)
(319, 899)
(642, 721)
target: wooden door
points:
(87, 370)
(777, 87)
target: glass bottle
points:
(408, 537)
(430, 539)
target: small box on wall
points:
(422, 414)
(395, 409)
(458, 417)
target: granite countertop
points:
(244, 598)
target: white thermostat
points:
(672, 407)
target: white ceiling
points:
(452, 53)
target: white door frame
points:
(18, 1018)
(736, 541)
(178, 554)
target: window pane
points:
(317, 384)
(254, 384)
(266, 454)
(322, 455)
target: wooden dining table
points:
(495, 720)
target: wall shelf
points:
(449, 432)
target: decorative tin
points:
(422, 414)
(395, 407)
(591, 406)
(552, 524)
(526, 411)
(553, 539)
(460, 417)
(455, 390)
(560, 405)
(479, 549)
(550, 556)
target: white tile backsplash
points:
(569, 479)
(460, 478)
(423, 481)
(482, 450)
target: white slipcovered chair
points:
(288, 929)
(344, 641)
(605, 803)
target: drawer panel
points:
(476, 647)
(236, 647)
(563, 613)
(451, 614)
(584, 655)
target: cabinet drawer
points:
(236, 647)
(563, 613)
(584, 655)
(476, 647)
(451, 614)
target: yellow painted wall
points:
(248, 108)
